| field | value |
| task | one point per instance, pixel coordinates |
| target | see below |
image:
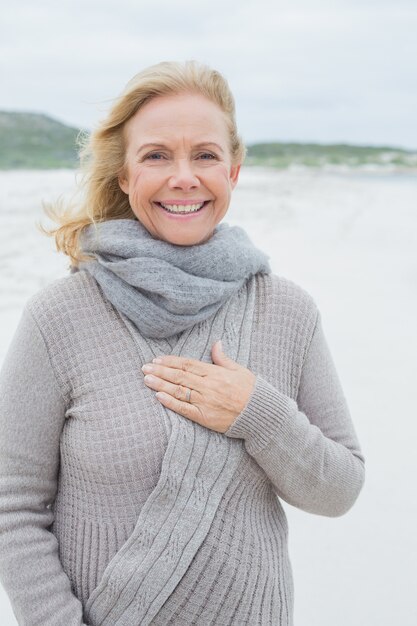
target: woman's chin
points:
(181, 230)
(184, 239)
(179, 235)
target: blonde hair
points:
(102, 153)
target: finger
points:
(221, 359)
(200, 368)
(183, 408)
(176, 376)
(176, 391)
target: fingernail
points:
(157, 360)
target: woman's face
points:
(177, 159)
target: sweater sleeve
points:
(32, 414)
(308, 448)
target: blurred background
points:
(326, 95)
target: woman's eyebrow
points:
(198, 145)
(209, 143)
(150, 145)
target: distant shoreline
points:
(36, 141)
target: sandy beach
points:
(348, 238)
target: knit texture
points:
(197, 468)
(182, 285)
(84, 452)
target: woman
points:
(143, 461)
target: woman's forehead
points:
(185, 110)
(192, 117)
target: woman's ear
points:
(123, 182)
(234, 175)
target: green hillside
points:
(282, 155)
(32, 140)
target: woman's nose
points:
(183, 176)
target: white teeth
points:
(181, 208)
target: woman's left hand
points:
(219, 391)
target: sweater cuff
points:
(263, 417)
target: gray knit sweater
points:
(90, 535)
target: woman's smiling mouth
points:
(182, 208)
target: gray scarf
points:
(165, 288)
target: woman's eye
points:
(206, 156)
(155, 156)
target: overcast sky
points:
(301, 70)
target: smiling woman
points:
(158, 404)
